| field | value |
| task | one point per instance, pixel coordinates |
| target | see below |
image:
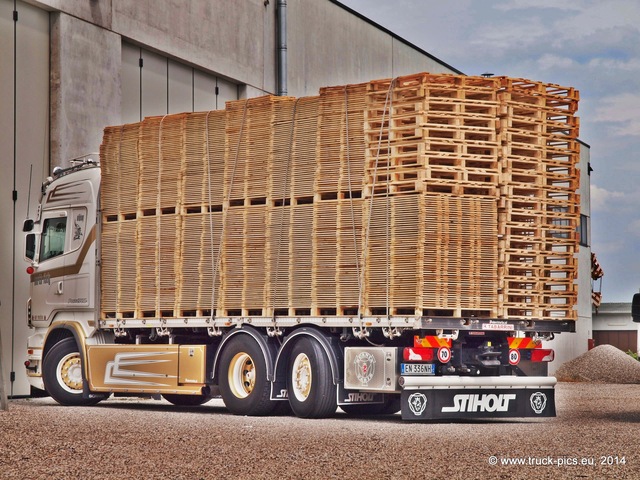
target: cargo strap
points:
(351, 203)
(215, 263)
(159, 221)
(388, 106)
(285, 193)
(118, 251)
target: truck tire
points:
(390, 406)
(242, 378)
(62, 374)
(186, 400)
(310, 387)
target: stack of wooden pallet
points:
(426, 194)
(539, 204)
(435, 136)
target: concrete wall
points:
(616, 317)
(85, 86)
(329, 46)
(216, 35)
(24, 149)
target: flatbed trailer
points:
(424, 280)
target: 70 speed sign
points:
(444, 354)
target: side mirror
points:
(635, 308)
(27, 226)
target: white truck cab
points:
(61, 249)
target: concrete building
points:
(613, 325)
(70, 68)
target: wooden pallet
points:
(431, 194)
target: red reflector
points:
(417, 354)
(542, 355)
(30, 270)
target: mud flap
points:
(350, 397)
(427, 404)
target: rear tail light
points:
(418, 354)
(542, 355)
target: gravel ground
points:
(596, 424)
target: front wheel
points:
(62, 374)
(311, 391)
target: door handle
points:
(59, 290)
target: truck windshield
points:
(53, 236)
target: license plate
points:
(418, 368)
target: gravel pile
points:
(604, 363)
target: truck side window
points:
(30, 246)
(54, 232)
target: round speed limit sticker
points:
(444, 354)
(514, 357)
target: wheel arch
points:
(67, 329)
(61, 331)
(267, 346)
(329, 345)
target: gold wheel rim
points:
(242, 375)
(301, 377)
(70, 373)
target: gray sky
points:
(592, 45)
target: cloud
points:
(607, 247)
(499, 35)
(604, 200)
(600, 63)
(527, 4)
(634, 228)
(622, 112)
(599, 16)
(550, 61)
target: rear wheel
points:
(62, 374)
(311, 391)
(242, 375)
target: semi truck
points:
(123, 303)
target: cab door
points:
(47, 282)
(79, 261)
